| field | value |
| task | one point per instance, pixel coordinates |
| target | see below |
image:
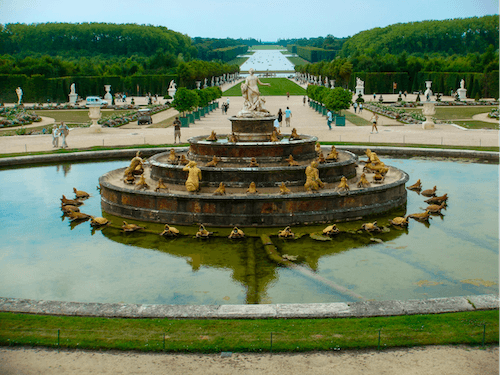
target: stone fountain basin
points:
(268, 208)
(236, 173)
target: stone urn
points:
(108, 96)
(95, 115)
(428, 111)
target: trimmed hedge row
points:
(314, 54)
(39, 89)
(227, 53)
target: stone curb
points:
(358, 150)
(278, 311)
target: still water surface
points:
(43, 256)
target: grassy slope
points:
(288, 335)
(279, 87)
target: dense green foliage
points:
(249, 335)
(335, 100)
(187, 100)
(314, 54)
(330, 42)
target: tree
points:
(338, 99)
(185, 100)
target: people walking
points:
(280, 117)
(288, 116)
(64, 131)
(329, 119)
(304, 101)
(374, 120)
(355, 106)
(177, 130)
(360, 108)
(55, 137)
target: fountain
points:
(247, 156)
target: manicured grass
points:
(476, 124)
(164, 124)
(356, 120)
(296, 60)
(238, 61)
(279, 87)
(454, 113)
(266, 47)
(288, 335)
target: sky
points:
(260, 19)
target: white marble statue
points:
(359, 83)
(172, 85)
(72, 89)
(253, 105)
(19, 92)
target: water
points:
(271, 60)
(43, 256)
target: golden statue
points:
(98, 221)
(80, 194)
(333, 155)
(212, 137)
(78, 216)
(317, 148)
(232, 138)
(437, 200)
(142, 184)
(183, 160)
(131, 227)
(343, 186)
(71, 202)
(170, 231)
(321, 158)
(291, 162)
(252, 189)
(294, 135)
(312, 177)
(253, 163)
(214, 162)
(221, 190)
(436, 208)
(429, 192)
(69, 208)
(371, 227)
(202, 232)
(135, 165)
(331, 230)
(172, 158)
(373, 164)
(416, 186)
(286, 233)
(284, 189)
(378, 178)
(236, 233)
(399, 221)
(424, 216)
(274, 137)
(194, 177)
(161, 185)
(363, 182)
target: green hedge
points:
(40, 89)
(314, 54)
(382, 82)
(227, 53)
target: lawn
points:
(283, 335)
(356, 120)
(296, 60)
(455, 113)
(279, 87)
(476, 124)
(266, 47)
(75, 116)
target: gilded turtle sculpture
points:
(98, 221)
(429, 192)
(286, 233)
(221, 190)
(371, 227)
(161, 185)
(170, 231)
(131, 227)
(363, 182)
(437, 200)
(80, 194)
(399, 221)
(436, 208)
(416, 186)
(72, 202)
(236, 233)
(69, 208)
(78, 216)
(331, 230)
(424, 216)
(283, 189)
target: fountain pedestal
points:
(428, 111)
(95, 115)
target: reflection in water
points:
(455, 254)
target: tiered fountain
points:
(251, 137)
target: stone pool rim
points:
(277, 311)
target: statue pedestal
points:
(72, 98)
(428, 111)
(360, 90)
(171, 93)
(462, 94)
(108, 96)
(95, 115)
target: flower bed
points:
(493, 113)
(114, 121)
(396, 112)
(17, 116)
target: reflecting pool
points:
(44, 256)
